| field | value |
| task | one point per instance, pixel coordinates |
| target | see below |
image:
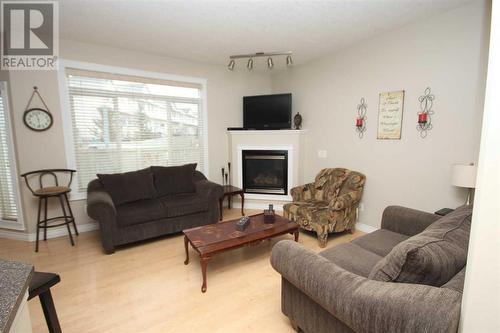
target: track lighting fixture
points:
(270, 63)
(269, 55)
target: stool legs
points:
(71, 213)
(45, 219)
(49, 312)
(38, 223)
(68, 221)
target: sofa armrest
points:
(346, 200)
(406, 221)
(100, 207)
(98, 201)
(366, 305)
(303, 192)
(209, 189)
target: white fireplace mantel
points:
(290, 140)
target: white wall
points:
(46, 150)
(481, 300)
(446, 53)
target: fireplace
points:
(265, 171)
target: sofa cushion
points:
(457, 282)
(352, 257)
(380, 241)
(308, 213)
(183, 204)
(129, 186)
(432, 257)
(174, 179)
(139, 212)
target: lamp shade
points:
(464, 175)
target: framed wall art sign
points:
(390, 115)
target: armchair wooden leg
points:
(322, 239)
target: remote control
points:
(243, 223)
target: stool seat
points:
(52, 190)
(41, 282)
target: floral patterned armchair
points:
(327, 205)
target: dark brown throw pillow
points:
(129, 186)
(432, 257)
(174, 179)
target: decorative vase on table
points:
(297, 121)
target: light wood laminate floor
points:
(147, 287)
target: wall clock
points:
(37, 119)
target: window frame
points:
(19, 224)
(66, 109)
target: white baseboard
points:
(51, 233)
(365, 227)
(62, 231)
(258, 205)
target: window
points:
(10, 216)
(123, 123)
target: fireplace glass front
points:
(265, 171)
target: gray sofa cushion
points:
(457, 282)
(139, 212)
(352, 257)
(380, 241)
(174, 179)
(129, 186)
(432, 257)
(184, 204)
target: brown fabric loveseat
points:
(152, 202)
(407, 276)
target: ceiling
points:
(210, 31)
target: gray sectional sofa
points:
(407, 276)
(152, 202)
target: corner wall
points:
(481, 297)
(446, 53)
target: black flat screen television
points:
(267, 112)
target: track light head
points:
(289, 61)
(230, 66)
(270, 63)
(250, 64)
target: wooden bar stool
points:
(40, 286)
(44, 193)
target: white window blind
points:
(125, 123)
(8, 200)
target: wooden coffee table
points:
(211, 239)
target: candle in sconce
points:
(422, 118)
(359, 122)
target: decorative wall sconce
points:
(424, 116)
(361, 119)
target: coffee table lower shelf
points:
(221, 237)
